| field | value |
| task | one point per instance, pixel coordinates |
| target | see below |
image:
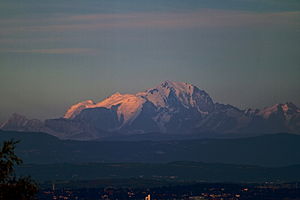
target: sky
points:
(55, 53)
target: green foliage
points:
(11, 187)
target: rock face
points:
(169, 108)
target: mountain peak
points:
(181, 86)
(286, 108)
(77, 108)
(291, 106)
(172, 94)
(116, 94)
(20, 122)
(171, 83)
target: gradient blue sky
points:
(54, 53)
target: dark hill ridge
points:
(266, 150)
(169, 108)
(168, 172)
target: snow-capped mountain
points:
(168, 95)
(169, 108)
(276, 118)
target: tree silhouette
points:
(11, 187)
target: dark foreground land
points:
(196, 191)
(242, 168)
(174, 171)
(273, 150)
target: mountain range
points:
(171, 108)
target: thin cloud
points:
(54, 51)
(205, 18)
(11, 40)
